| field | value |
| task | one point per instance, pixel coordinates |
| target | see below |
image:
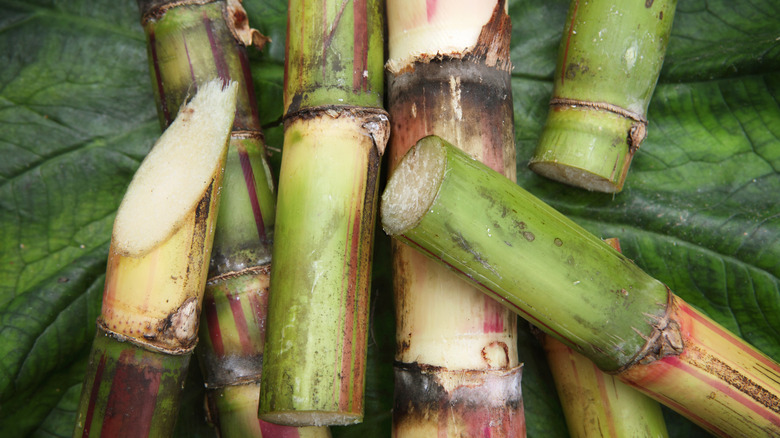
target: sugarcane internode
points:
(578, 289)
(335, 132)
(609, 60)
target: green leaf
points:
(699, 211)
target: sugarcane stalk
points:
(457, 365)
(577, 288)
(335, 134)
(597, 404)
(157, 267)
(189, 42)
(609, 60)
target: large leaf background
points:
(700, 209)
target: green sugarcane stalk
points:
(609, 60)
(597, 404)
(189, 42)
(578, 289)
(335, 134)
(457, 365)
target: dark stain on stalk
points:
(568, 39)
(558, 242)
(529, 236)
(575, 68)
(328, 37)
(648, 3)
(421, 397)
(461, 242)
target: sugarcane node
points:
(252, 270)
(248, 134)
(665, 339)
(375, 121)
(152, 10)
(603, 106)
(144, 343)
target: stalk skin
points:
(609, 60)
(149, 408)
(597, 404)
(449, 66)
(577, 288)
(335, 134)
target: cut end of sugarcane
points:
(312, 418)
(177, 171)
(574, 176)
(413, 186)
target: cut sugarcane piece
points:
(564, 280)
(335, 134)
(319, 301)
(456, 355)
(176, 174)
(597, 404)
(151, 301)
(609, 60)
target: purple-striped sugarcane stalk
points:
(456, 356)
(157, 268)
(334, 137)
(573, 286)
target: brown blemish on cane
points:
(733, 377)
(574, 68)
(648, 3)
(489, 354)
(558, 242)
(529, 236)
(493, 41)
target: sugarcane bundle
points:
(575, 287)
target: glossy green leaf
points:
(700, 209)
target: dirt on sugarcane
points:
(477, 399)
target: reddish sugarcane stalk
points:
(457, 367)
